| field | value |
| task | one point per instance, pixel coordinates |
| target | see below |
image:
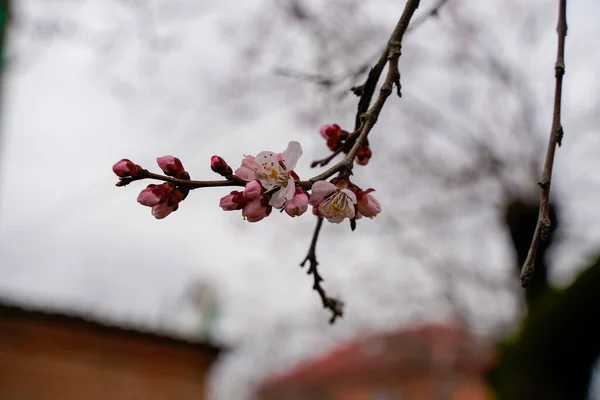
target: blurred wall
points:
(46, 356)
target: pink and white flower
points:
(277, 175)
(334, 202)
(367, 205)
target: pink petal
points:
(320, 190)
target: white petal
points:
(291, 155)
(278, 198)
(290, 189)
(350, 194)
(268, 165)
(267, 183)
(350, 209)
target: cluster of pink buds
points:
(337, 139)
(164, 198)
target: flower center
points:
(336, 204)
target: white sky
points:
(71, 241)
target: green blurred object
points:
(4, 20)
(552, 356)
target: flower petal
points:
(267, 163)
(350, 194)
(320, 190)
(278, 198)
(291, 155)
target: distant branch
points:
(543, 225)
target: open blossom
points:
(334, 202)
(367, 205)
(298, 204)
(277, 175)
(248, 167)
(126, 168)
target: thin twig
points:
(542, 228)
(334, 305)
(366, 119)
(324, 161)
(182, 183)
(390, 55)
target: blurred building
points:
(47, 356)
(440, 362)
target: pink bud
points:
(255, 211)
(233, 201)
(162, 210)
(253, 190)
(367, 205)
(331, 133)
(298, 204)
(218, 165)
(155, 194)
(171, 166)
(126, 168)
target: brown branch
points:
(366, 119)
(390, 55)
(334, 305)
(324, 161)
(182, 183)
(543, 225)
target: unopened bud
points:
(218, 165)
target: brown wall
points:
(56, 358)
(459, 387)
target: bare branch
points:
(333, 304)
(543, 225)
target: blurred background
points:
(455, 165)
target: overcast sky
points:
(73, 242)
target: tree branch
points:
(365, 120)
(182, 183)
(331, 303)
(543, 225)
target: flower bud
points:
(232, 201)
(331, 133)
(298, 204)
(154, 194)
(171, 166)
(366, 204)
(254, 211)
(218, 165)
(126, 168)
(253, 190)
(363, 155)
